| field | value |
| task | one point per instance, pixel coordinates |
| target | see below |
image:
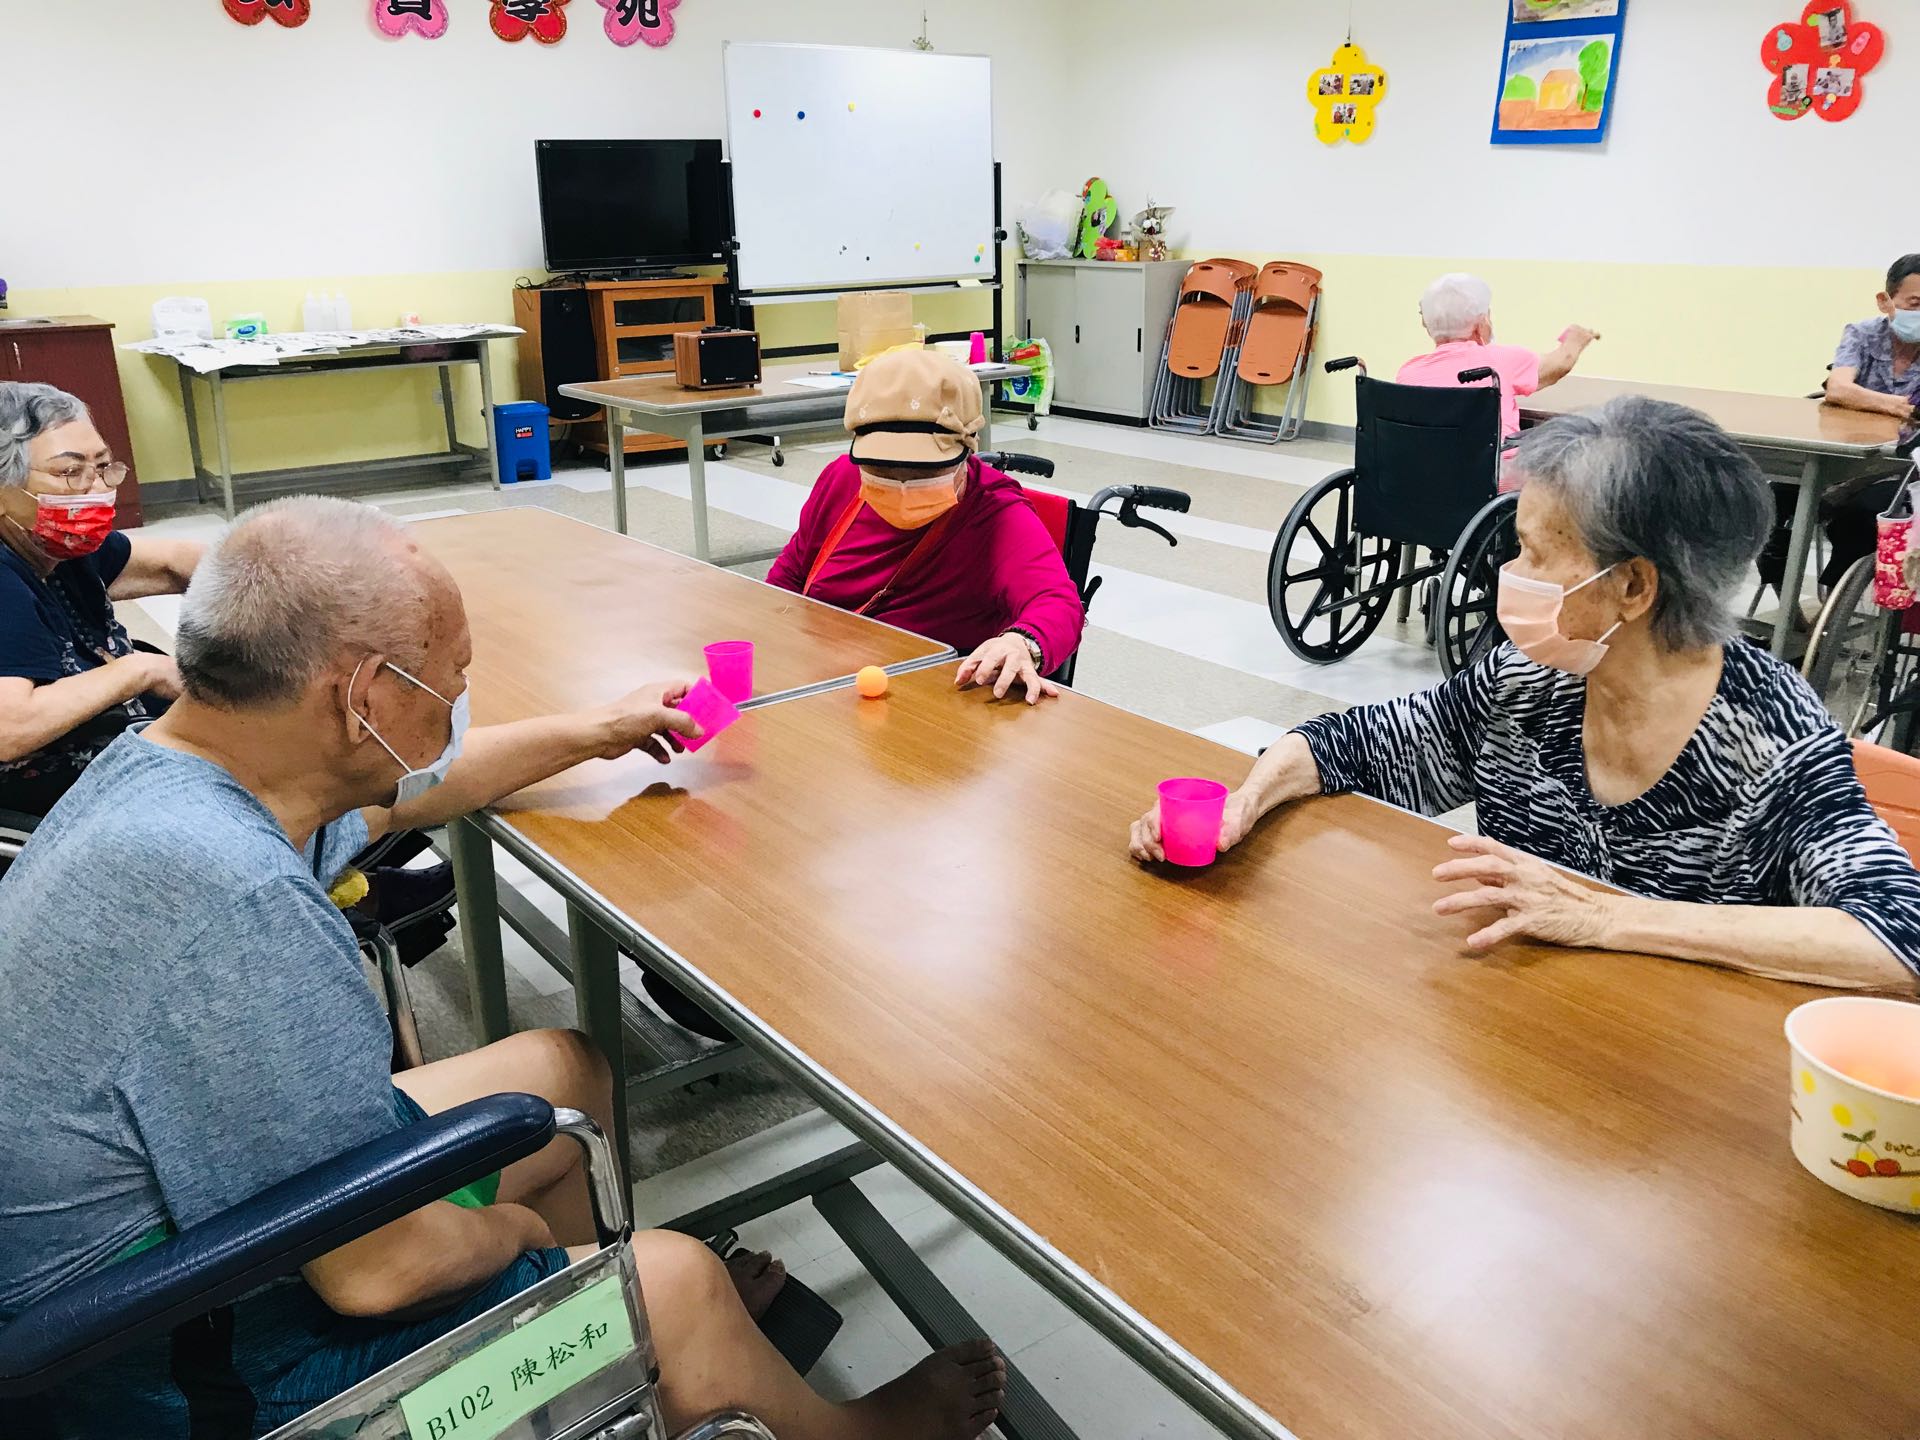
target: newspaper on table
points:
(205, 356)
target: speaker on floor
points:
(558, 348)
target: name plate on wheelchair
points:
(510, 1378)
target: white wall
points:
(184, 147)
(1208, 111)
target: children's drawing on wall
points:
(1556, 88)
(1545, 11)
(1820, 63)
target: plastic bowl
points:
(1190, 814)
(1856, 1097)
(730, 665)
(711, 710)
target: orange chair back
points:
(1892, 783)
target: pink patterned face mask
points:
(1529, 612)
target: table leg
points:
(473, 880)
(1806, 511)
(697, 479)
(986, 414)
(220, 439)
(446, 407)
(596, 1000)
(482, 358)
(617, 466)
(193, 430)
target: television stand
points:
(633, 323)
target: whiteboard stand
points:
(743, 307)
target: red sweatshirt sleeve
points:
(1033, 582)
(790, 568)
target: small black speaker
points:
(567, 352)
(716, 358)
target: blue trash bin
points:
(520, 435)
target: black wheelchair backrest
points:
(1427, 459)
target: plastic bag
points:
(1891, 589)
(1035, 388)
(1050, 226)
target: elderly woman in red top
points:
(912, 529)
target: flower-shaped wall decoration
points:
(1820, 64)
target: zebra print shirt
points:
(1761, 808)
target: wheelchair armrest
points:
(271, 1235)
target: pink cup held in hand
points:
(1190, 816)
(730, 664)
(711, 711)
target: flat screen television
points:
(631, 204)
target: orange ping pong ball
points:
(871, 682)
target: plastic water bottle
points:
(342, 312)
(316, 314)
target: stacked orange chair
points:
(1892, 783)
(1277, 350)
(1209, 321)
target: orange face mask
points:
(912, 505)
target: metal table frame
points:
(727, 415)
(267, 483)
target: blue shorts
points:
(352, 1350)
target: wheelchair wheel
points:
(1328, 586)
(1852, 640)
(1465, 627)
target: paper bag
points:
(871, 322)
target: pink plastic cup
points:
(711, 710)
(1190, 815)
(977, 349)
(730, 664)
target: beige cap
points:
(914, 408)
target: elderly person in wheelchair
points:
(199, 1096)
(913, 529)
(1457, 311)
(70, 679)
(1623, 734)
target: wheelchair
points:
(1074, 526)
(593, 1309)
(1425, 477)
(1863, 660)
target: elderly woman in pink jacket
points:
(912, 529)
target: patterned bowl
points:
(1856, 1097)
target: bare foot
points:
(758, 1277)
(953, 1394)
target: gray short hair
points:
(289, 588)
(27, 412)
(1453, 304)
(1645, 479)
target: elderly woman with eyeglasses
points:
(1624, 733)
(70, 679)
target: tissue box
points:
(868, 323)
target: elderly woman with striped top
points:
(1624, 734)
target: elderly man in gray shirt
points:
(186, 1022)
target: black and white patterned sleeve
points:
(1416, 752)
(1839, 854)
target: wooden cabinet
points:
(75, 352)
(634, 322)
(1103, 321)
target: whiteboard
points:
(856, 167)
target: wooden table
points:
(1267, 1125)
(567, 616)
(657, 404)
(1807, 442)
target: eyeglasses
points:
(78, 479)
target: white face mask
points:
(415, 783)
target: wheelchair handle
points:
(1474, 377)
(1346, 362)
(1015, 463)
(603, 1173)
(1132, 497)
